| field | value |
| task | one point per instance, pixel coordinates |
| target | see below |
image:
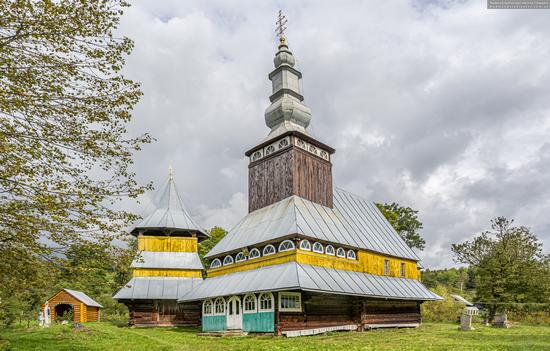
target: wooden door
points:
(234, 313)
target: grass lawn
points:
(436, 336)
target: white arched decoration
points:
(240, 257)
(228, 260)
(351, 255)
(329, 250)
(216, 263)
(341, 252)
(207, 307)
(250, 304)
(318, 247)
(219, 306)
(266, 302)
(254, 253)
(286, 245)
(268, 250)
(305, 245)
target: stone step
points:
(225, 333)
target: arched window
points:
(318, 247)
(329, 250)
(351, 255)
(240, 257)
(340, 252)
(266, 302)
(286, 246)
(219, 306)
(228, 260)
(254, 253)
(269, 250)
(305, 245)
(249, 304)
(216, 263)
(207, 307)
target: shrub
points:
(446, 310)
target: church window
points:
(257, 155)
(250, 303)
(286, 245)
(216, 263)
(351, 255)
(270, 149)
(240, 257)
(228, 260)
(207, 307)
(318, 247)
(341, 252)
(290, 302)
(386, 267)
(283, 143)
(305, 245)
(329, 250)
(266, 302)
(269, 250)
(254, 253)
(219, 306)
(402, 270)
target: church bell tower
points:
(289, 161)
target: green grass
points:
(430, 336)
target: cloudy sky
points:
(441, 106)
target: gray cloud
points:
(440, 105)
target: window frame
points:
(350, 251)
(305, 241)
(222, 300)
(218, 261)
(402, 270)
(287, 249)
(255, 310)
(254, 250)
(225, 258)
(270, 295)
(211, 304)
(240, 254)
(333, 253)
(338, 254)
(322, 251)
(293, 294)
(386, 267)
(269, 253)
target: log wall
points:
(163, 313)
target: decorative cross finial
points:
(280, 28)
(170, 172)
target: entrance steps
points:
(225, 333)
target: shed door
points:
(234, 313)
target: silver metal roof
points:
(168, 260)
(353, 221)
(293, 275)
(156, 288)
(169, 212)
(462, 300)
(80, 296)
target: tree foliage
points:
(216, 234)
(510, 266)
(64, 107)
(405, 222)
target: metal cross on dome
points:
(281, 21)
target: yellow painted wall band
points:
(167, 244)
(179, 273)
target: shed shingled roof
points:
(292, 276)
(85, 299)
(353, 221)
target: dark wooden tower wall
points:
(300, 168)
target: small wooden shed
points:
(82, 307)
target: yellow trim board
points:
(167, 244)
(179, 273)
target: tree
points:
(405, 222)
(64, 106)
(216, 234)
(510, 266)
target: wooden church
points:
(306, 259)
